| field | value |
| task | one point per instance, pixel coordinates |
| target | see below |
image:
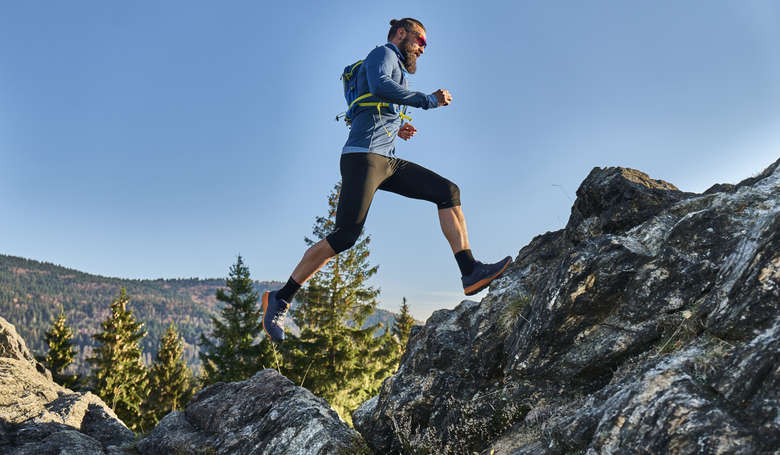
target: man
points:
(368, 163)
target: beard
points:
(407, 50)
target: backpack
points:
(349, 79)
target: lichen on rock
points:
(265, 414)
(648, 325)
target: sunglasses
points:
(421, 41)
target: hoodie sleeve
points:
(379, 70)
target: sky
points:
(161, 139)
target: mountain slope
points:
(31, 292)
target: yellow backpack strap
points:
(361, 97)
(347, 76)
(379, 109)
(379, 106)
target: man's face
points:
(411, 48)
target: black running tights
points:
(363, 173)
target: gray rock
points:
(266, 414)
(12, 346)
(53, 438)
(648, 325)
(38, 416)
(614, 199)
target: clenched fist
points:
(443, 96)
(406, 131)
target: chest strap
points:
(379, 105)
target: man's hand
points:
(443, 96)
(406, 131)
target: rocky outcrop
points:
(266, 414)
(614, 199)
(37, 416)
(649, 324)
(12, 346)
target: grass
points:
(511, 313)
(690, 327)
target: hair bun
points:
(393, 21)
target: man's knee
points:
(342, 238)
(452, 197)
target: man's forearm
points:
(388, 90)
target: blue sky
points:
(161, 139)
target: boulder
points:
(613, 199)
(38, 416)
(12, 346)
(648, 325)
(266, 414)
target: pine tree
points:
(61, 352)
(334, 357)
(403, 325)
(169, 378)
(235, 353)
(120, 378)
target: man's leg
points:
(314, 259)
(414, 181)
(361, 175)
(453, 225)
(276, 303)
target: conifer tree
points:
(120, 377)
(403, 325)
(169, 378)
(61, 353)
(334, 356)
(232, 352)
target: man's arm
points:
(379, 68)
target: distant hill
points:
(31, 292)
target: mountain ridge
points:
(32, 290)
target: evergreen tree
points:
(235, 353)
(61, 353)
(120, 377)
(169, 378)
(403, 325)
(334, 357)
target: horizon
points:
(141, 141)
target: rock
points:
(613, 199)
(667, 406)
(266, 414)
(12, 346)
(729, 188)
(54, 438)
(649, 324)
(39, 416)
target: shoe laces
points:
(279, 316)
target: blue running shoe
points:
(483, 274)
(274, 312)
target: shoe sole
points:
(485, 282)
(265, 308)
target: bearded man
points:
(368, 163)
